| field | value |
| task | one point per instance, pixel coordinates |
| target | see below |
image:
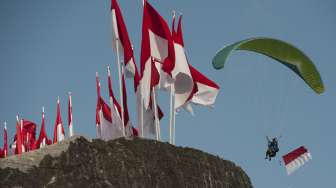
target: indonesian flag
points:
(116, 108)
(148, 114)
(28, 134)
(120, 38)
(58, 128)
(98, 127)
(19, 147)
(108, 129)
(156, 45)
(204, 92)
(70, 116)
(5, 147)
(129, 129)
(295, 159)
(181, 73)
(43, 139)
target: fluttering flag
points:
(129, 129)
(183, 84)
(205, 90)
(5, 146)
(28, 134)
(296, 158)
(121, 38)
(98, 127)
(116, 127)
(156, 46)
(43, 139)
(108, 129)
(116, 108)
(58, 128)
(19, 147)
(71, 133)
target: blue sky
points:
(48, 48)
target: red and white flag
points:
(116, 108)
(148, 114)
(183, 81)
(43, 139)
(19, 147)
(58, 128)
(204, 92)
(71, 133)
(121, 38)
(296, 158)
(108, 129)
(28, 134)
(156, 45)
(5, 147)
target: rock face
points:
(120, 163)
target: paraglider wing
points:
(282, 52)
(296, 158)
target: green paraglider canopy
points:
(282, 52)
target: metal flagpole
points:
(172, 106)
(157, 125)
(120, 88)
(141, 111)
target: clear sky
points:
(48, 48)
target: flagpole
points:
(120, 88)
(157, 123)
(141, 111)
(172, 106)
(70, 111)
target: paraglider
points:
(273, 148)
(282, 52)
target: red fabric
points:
(178, 35)
(126, 115)
(106, 110)
(42, 135)
(2, 155)
(123, 34)
(135, 131)
(18, 136)
(294, 154)
(29, 134)
(5, 147)
(153, 21)
(58, 121)
(114, 100)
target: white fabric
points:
(183, 79)
(60, 135)
(115, 33)
(108, 130)
(146, 83)
(298, 162)
(158, 46)
(205, 95)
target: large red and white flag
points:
(58, 128)
(204, 92)
(98, 128)
(121, 38)
(116, 108)
(5, 146)
(156, 45)
(183, 81)
(296, 158)
(43, 139)
(71, 133)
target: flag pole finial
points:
(5, 123)
(42, 109)
(58, 99)
(108, 71)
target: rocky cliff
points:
(79, 162)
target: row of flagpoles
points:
(163, 65)
(25, 134)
